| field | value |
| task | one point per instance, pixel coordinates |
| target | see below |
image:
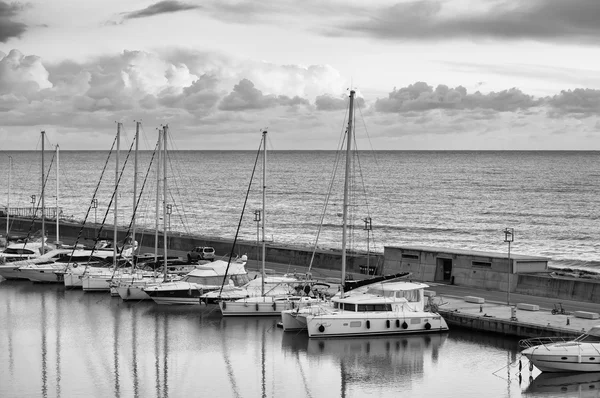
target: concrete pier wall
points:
(567, 289)
(324, 259)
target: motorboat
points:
(20, 252)
(203, 279)
(390, 307)
(557, 354)
(51, 270)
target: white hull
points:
(72, 280)
(349, 323)
(291, 322)
(566, 356)
(10, 272)
(96, 283)
(132, 292)
(39, 275)
(261, 306)
(176, 300)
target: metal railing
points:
(33, 212)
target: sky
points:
(428, 75)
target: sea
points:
(67, 343)
(450, 199)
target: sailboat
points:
(390, 306)
(264, 295)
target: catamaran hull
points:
(176, 297)
(291, 322)
(373, 324)
(73, 280)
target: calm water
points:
(450, 199)
(57, 343)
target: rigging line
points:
(241, 216)
(90, 207)
(138, 199)
(182, 214)
(362, 118)
(185, 222)
(338, 158)
(38, 206)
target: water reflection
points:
(566, 384)
(70, 343)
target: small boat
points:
(10, 270)
(558, 354)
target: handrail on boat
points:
(542, 341)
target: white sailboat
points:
(379, 308)
(262, 296)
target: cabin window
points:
(481, 264)
(374, 307)
(348, 307)
(414, 321)
(355, 324)
(409, 295)
(410, 256)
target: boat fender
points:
(427, 326)
(224, 304)
(404, 325)
(274, 306)
(530, 366)
(520, 365)
(322, 328)
(128, 292)
(368, 324)
(256, 306)
(397, 323)
(387, 323)
(293, 305)
(190, 291)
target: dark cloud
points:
(581, 102)
(162, 7)
(246, 97)
(9, 28)
(422, 97)
(431, 20)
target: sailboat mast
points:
(264, 196)
(347, 186)
(116, 195)
(57, 197)
(159, 146)
(8, 198)
(165, 130)
(43, 202)
(135, 174)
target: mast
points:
(347, 186)
(8, 198)
(165, 129)
(264, 189)
(57, 197)
(159, 146)
(43, 202)
(135, 174)
(116, 195)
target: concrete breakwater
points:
(178, 242)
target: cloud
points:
(327, 102)
(548, 20)
(246, 97)
(162, 7)
(580, 102)
(422, 97)
(8, 28)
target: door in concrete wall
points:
(443, 270)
